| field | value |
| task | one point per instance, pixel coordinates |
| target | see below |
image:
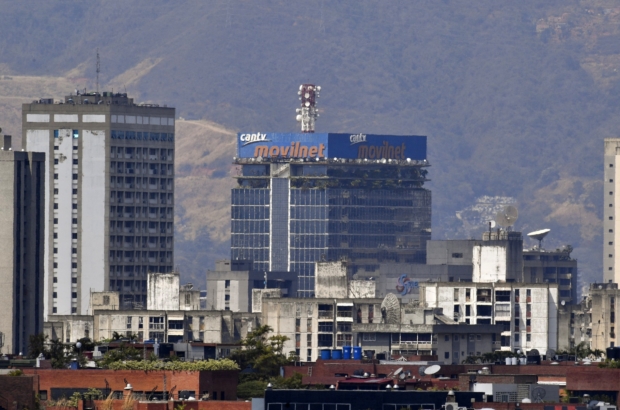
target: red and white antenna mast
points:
(308, 113)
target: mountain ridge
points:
(515, 98)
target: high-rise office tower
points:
(109, 196)
(307, 197)
(22, 226)
(611, 229)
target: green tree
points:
(264, 354)
(58, 355)
(123, 353)
(37, 344)
(251, 389)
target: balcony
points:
(326, 314)
(415, 345)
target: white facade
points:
(528, 312)
(489, 263)
(611, 229)
(109, 196)
(163, 291)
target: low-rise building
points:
(230, 285)
(557, 266)
(527, 312)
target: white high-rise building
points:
(611, 242)
(109, 196)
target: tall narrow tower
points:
(21, 255)
(109, 196)
(308, 113)
(611, 229)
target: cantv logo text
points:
(248, 139)
(357, 138)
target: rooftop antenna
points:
(308, 113)
(98, 69)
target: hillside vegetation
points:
(515, 97)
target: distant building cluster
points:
(330, 246)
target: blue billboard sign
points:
(349, 146)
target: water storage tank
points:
(326, 354)
(337, 354)
(357, 352)
(513, 361)
(346, 352)
(522, 360)
(508, 361)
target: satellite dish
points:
(507, 216)
(550, 354)
(592, 404)
(422, 370)
(402, 376)
(533, 352)
(432, 369)
(539, 236)
(397, 372)
(492, 224)
(563, 302)
(390, 309)
(538, 394)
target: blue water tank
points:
(346, 352)
(357, 352)
(337, 354)
(326, 354)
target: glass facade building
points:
(288, 213)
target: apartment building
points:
(527, 312)
(109, 192)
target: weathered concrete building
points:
(346, 313)
(109, 202)
(173, 326)
(527, 312)
(600, 310)
(499, 257)
(557, 266)
(230, 285)
(22, 229)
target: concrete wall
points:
(452, 252)
(499, 258)
(70, 328)
(163, 291)
(189, 300)
(331, 280)
(94, 233)
(359, 289)
(103, 301)
(259, 294)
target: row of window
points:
(141, 136)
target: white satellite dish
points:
(397, 372)
(432, 369)
(492, 224)
(539, 236)
(507, 216)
